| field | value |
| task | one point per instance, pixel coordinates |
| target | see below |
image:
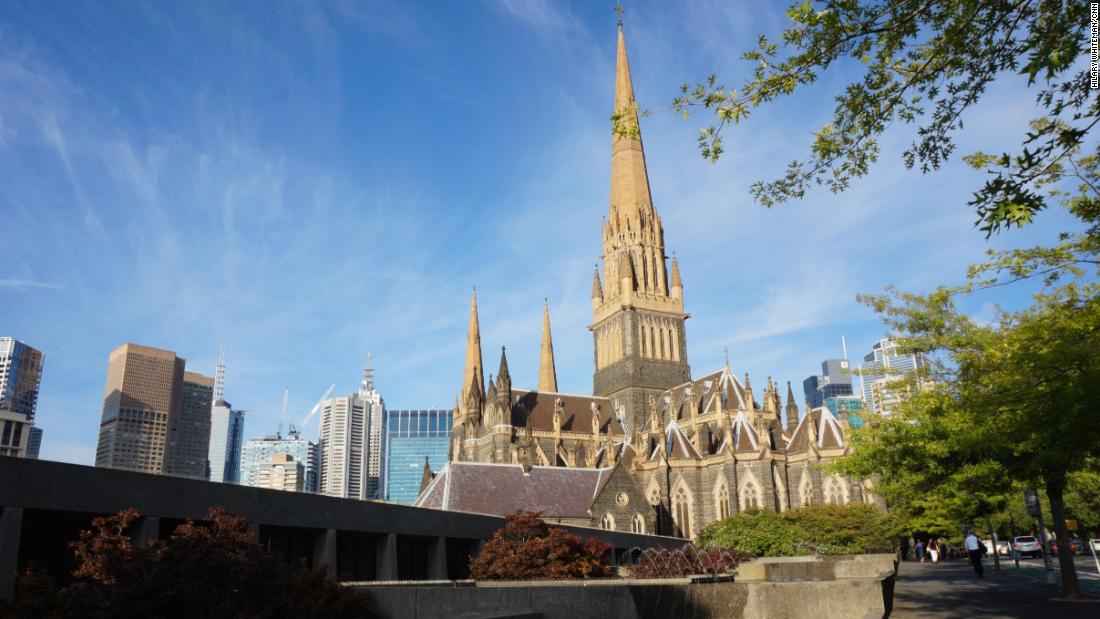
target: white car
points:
(1027, 545)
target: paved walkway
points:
(950, 589)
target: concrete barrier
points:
(803, 587)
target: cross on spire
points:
(619, 11)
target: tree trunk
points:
(1055, 488)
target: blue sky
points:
(309, 182)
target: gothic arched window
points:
(750, 496)
(638, 525)
(608, 522)
(722, 500)
(835, 492)
(806, 490)
(682, 512)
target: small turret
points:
(504, 379)
(597, 289)
(750, 402)
(792, 410)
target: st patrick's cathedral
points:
(654, 449)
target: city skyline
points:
(450, 188)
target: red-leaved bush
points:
(686, 561)
(527, 549)
(211, 569)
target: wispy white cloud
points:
(23, 283)
(540, 13)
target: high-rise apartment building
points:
(343, 447)
(189, 431)
(887, 376)
(375, 410)
(281, 472)
(258, 451)
(835, 380)
(140, 401)
(15, 434)
(410, 436)
(20, 376)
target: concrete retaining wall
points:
(807, 587)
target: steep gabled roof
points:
(818, 427)
(677, 445)
(502, 489)
(576, 412)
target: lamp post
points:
(1034, 508)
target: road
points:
(1087, 575)
(950, 589)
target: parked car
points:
(1075, 545)
(1027, 546)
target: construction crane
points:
(313, 411)
(282, 411)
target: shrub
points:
(525, 548)
(761, 533)
(686, 561)
(817, 529)
(209, 569)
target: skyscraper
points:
(20, 376)
(226, 433)
(375, 410)
(189, 431)
(141, 399)
(226, 439)
(343, 447)
(887, 376)
(257, 451)
(835, 380)
(410, 436)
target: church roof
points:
(502, 489)
(717, 388)
(677, 445)
(819, 427)
(576, 412)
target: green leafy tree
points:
(1016, 399)
(924, 63)
(1083, 497)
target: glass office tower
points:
(409, 436)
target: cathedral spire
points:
(473, 374)
(548, 377)
(631, 204)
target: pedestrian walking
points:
(975, 549)
(919, 549)
(934, 551)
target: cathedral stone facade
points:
(697, 450)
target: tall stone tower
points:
(637, 316)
